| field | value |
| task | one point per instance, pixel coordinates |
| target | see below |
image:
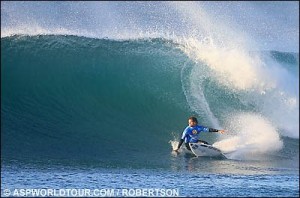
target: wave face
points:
(70, 97)
(75, 97)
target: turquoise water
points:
(80, 111)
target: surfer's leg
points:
(202, 141)
(187, 146)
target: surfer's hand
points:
(221, 131)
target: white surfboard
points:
(201, 149)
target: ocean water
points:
(93, 104)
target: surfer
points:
(191, 133)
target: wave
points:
(71, 97)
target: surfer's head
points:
(192, 121)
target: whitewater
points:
(106, 88)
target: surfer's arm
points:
(216, 130)
(182, 139)
(179, 144)
(212, 130)
(206, 129)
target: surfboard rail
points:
(202, 149)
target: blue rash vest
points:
(191, 134)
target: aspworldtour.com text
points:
(102, 192)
